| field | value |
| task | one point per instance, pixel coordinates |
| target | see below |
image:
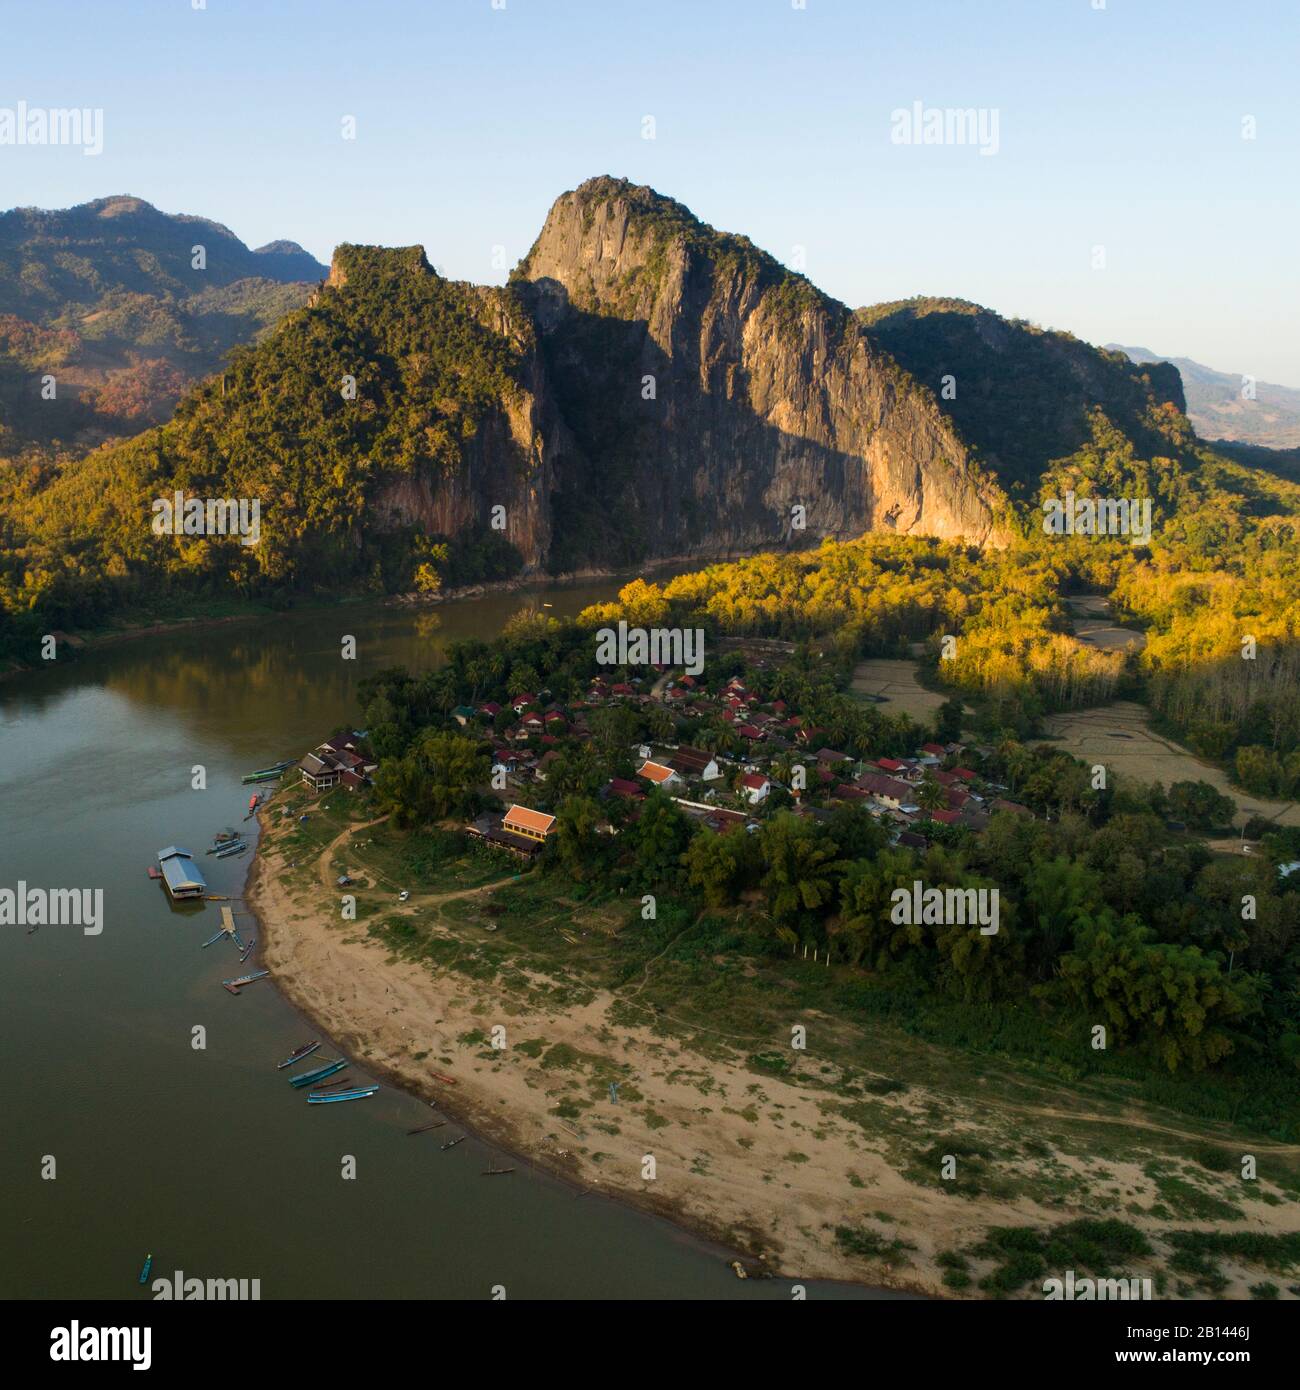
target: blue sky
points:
(1118, 127)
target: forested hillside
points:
(646, 387)
(126, 307)
(1021, 394)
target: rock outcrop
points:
(721, 403)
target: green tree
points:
(659, 839)
(1173, 998)
(1199, 804)
(577, 847)
(721, 867)
(930, 794)
(801, 873)
(439, 774)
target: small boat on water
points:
(233, 985)
(247, 951)
(230, 851)
(267, 774)
(309, 1078)
(361, 1093)
(148, 1265)
(224, 846)
(424, 1129)
(212, 940)
(154, 871)
(297, 1055)
(451, 1143)
(494, 1172)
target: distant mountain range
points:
(1217, 409)
(113, 300)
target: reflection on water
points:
(203, 1155)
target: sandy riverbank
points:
(769, 1165)
(710, 1177)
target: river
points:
(203, 1156)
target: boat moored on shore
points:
(234, 985)
(268, 774)
(309, 1078)
(297, 1055)
(361, 1093)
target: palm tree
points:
(931, 794)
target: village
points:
(774, 760)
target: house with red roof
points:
(755, 786)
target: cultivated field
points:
(896, 683)
(1120, 737)
(1093, 625)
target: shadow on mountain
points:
(671, 458)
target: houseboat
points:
(180, 873)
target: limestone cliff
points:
(711, 393)
(509, 459)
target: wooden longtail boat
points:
(247, 951)
(266, 774)
(297, 1055)
(424, 1129)
(148, 1265)
(217, 937)
(233, 985)
(451, 1143)
(309, 1077)
(361, 1093)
